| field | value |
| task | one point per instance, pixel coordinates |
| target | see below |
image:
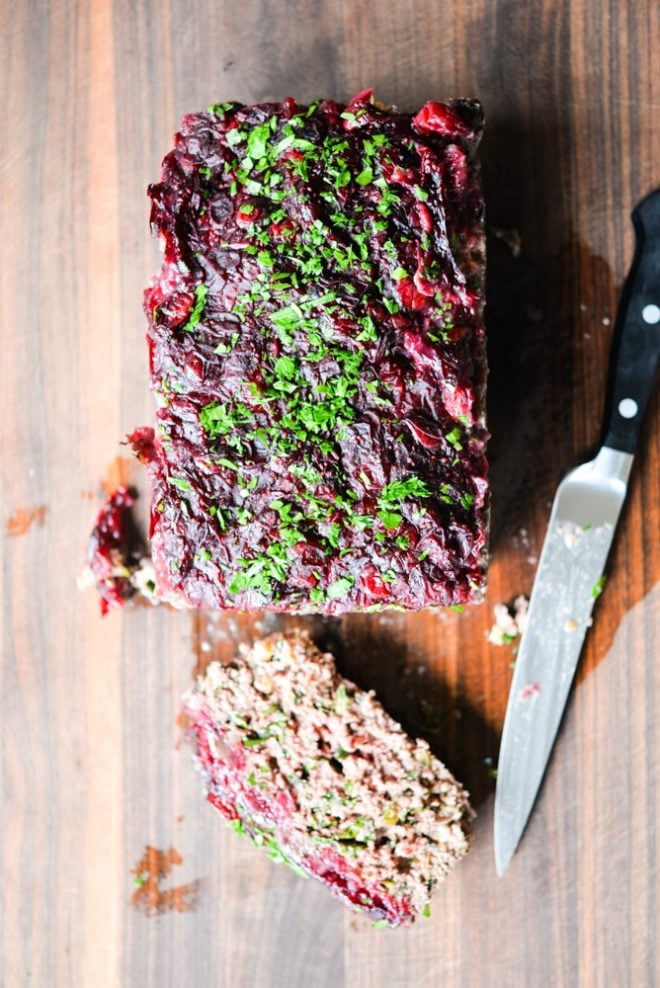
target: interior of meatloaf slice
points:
(315, 770)
(264, 820)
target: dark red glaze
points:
(378, 215)
(266, 813)
(112, 550)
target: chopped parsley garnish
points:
(179, 482)
(219, 420)
(454, 437)
(201, 291)
(341, 588)
(400, 490)
(390, 519)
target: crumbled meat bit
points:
(314, 770)
(510, 621)
(511, 238)
(318, 356)
(116, 561)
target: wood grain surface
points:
(93, 765)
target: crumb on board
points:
(511, 239)
(510, 620)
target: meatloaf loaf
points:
(317, 352)
(314, 770)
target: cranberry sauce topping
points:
(317, 351)
(114, 550)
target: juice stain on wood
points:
(149, 897)
(22, 519)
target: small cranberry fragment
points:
(422, 216)
(439, 118)
(361, 98)
(410, 296)
(458, 167)
(458, 401)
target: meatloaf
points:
(317, 352)
(313, 769)
(117, 561)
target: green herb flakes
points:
(401, 490)
(390, 519)
(340, 588)
(179, 482)
(201, 292)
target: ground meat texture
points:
(315, 771)
(317, 352)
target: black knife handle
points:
(636, 338)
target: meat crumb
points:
(511, 238)
(510, 621)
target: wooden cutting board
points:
(93, 766)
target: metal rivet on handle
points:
(628, 408)
(651, 314)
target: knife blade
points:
(582, 524)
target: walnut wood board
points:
(93, 765)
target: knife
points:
(582, 522)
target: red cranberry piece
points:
(439, 118)
(458, 401)
(373, 583)
(423, 285)
(142, 443)
(457, 167)
(247, 214)
(176, 309)
(402, 176)
(364, 96)
(410, 296)
(282, 231)
(422, 217)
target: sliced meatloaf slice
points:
(314, 770)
